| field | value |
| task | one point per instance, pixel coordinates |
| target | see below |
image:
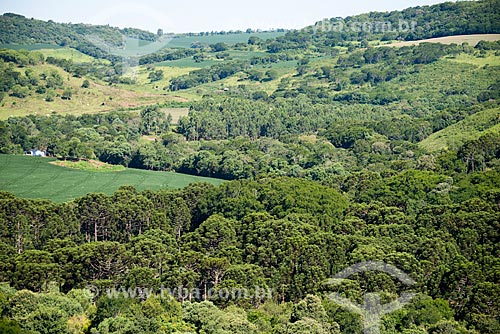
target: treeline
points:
(336, 149)
(424, 53)
(230, 32)
(213, 73)
(288, 235)
(21, 58)
(166, 55)
(226, 118)
(115, 138)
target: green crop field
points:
(34, 177)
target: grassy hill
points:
(98, 97)
(32, 177)
(474, 126)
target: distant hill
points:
(17, 29)
(415, 23)
(18, 32)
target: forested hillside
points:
(286, 235)
(17, 29)
(444, 19)
(330, 149)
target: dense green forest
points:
(335, 149)
(283, 235)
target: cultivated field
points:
(459, 39)
(32, 177)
